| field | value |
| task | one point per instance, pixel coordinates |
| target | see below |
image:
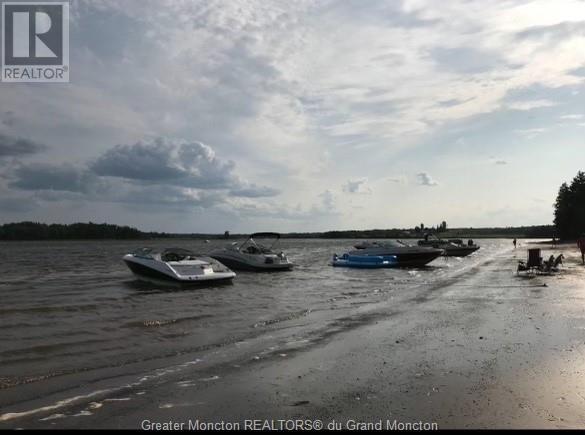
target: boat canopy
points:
(262, 249)
(168, 254)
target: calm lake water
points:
(73, 307)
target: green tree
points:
(569, 207)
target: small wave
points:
(83, 413)
(52, 417)
(165, 322)
(13, 415)
(48, 348)
(63, 403)
(212, 378)
(289, 316)
(50, 309)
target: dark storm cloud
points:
(17, 204)
(189, 165)
(67, 178)
(254, 191)
(154, 174)
(144, 162)
(69, 183)
(14, 146)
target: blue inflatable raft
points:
(365, 261)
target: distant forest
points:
(38, 231)
(87, 231)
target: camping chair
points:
(534, 261)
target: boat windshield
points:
(143, 252)
(252, 246)
(177, 254)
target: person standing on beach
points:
(514, 243)
(581, 245)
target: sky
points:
(206, 116)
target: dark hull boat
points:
(452, 248)
(406, 255)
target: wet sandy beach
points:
(482, 349)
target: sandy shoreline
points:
(483, 350)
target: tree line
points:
(80, 231)
(39, 231)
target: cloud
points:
(401, 179)
(143, 162)
(580, 72)
(327, 202)
(40, 176)
(186, 164)
(168, 196)
(160, 173)
(7, 118)
(466, 60)
(325, 207)
(379, 12)
(554, 33)
(14, 204)
(357, 185)
(529, 105)
(18, 147)
(424, 179)
(575, 116)
(530, 133)
(254, 191)
(269, 83)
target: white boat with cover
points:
(254, 256)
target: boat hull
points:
(157, 272)
(460, 251)
(236, 264)
(365, 261)
(404, 259)
(451, 249)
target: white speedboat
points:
(253, 256)
(177, 264)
